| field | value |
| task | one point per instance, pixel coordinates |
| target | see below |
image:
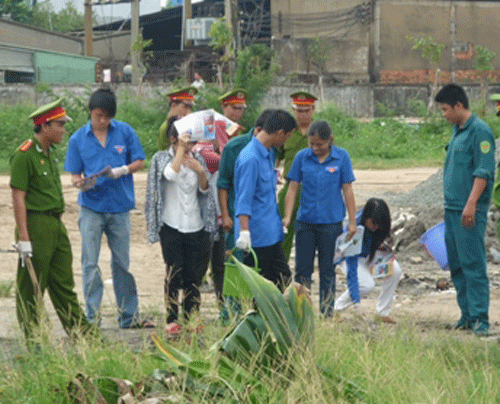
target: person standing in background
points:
(181, 104)
(303, 105)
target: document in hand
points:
(200, 125)
(349, 248)
(382, 264)
(105, 171)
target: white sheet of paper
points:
(199, 125)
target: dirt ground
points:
(416, 298)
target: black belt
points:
(57, 215)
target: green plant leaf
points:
(170, 354)
(273, 308)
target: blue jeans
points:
(321, 237)
(116, 226)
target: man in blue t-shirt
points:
(259, 223)
(105, 203)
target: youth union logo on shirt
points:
(119, 149)
(332, 169)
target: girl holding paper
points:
(180, 213)
(374, 260)
(325, 172)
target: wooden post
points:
(134, 34)
(88, 35)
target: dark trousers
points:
(310, 238)
(183, 254)
(272, 263)
(216, 254)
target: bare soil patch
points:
(417, 296)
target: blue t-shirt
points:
(321, 200)
(255, 189)
(86, 155)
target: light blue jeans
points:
(116, 226)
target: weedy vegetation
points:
(279, 352)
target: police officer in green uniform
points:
(468, 176)
(303, 108)
(181, 104)
(40, 233)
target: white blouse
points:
(182, 209)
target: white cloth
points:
(118, 172)
(25, 249)
(182, 209)
(366, 286)
(244, 242)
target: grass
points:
(396, 364)
(381, 143)
(6, 288)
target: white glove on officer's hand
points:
(118, 172)
(24, 249)
(244, 242)
(88, 184)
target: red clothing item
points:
(211, 157)
(221, 134)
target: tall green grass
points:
(381, 143)
(389, 364)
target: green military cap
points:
(300, 98)
(183, 94)
(236, 96)
(496, 97)
(49, 112)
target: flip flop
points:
(142, 324)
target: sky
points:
(112, 11)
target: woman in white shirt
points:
(178, 203)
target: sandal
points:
(142, 324)
(173, 329)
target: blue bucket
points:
(433, 241)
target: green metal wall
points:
(51, 67)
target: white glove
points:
(118, 172)
(24, 249)
(88, 184)
(244, 242)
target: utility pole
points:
(453, 37)
(88, 35)
(187, 14)
(134, 34)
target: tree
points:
(144, 57)
(16, 9)
(432, 52)
(68, 19)
(221, 40)
(319, 50)
(483, 64)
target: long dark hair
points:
(171, 130)
(378, 211)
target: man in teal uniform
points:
(38, 205)
(181, 104)
(468, 183)
(303, 109)
(496, 187)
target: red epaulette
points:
(26, 145)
